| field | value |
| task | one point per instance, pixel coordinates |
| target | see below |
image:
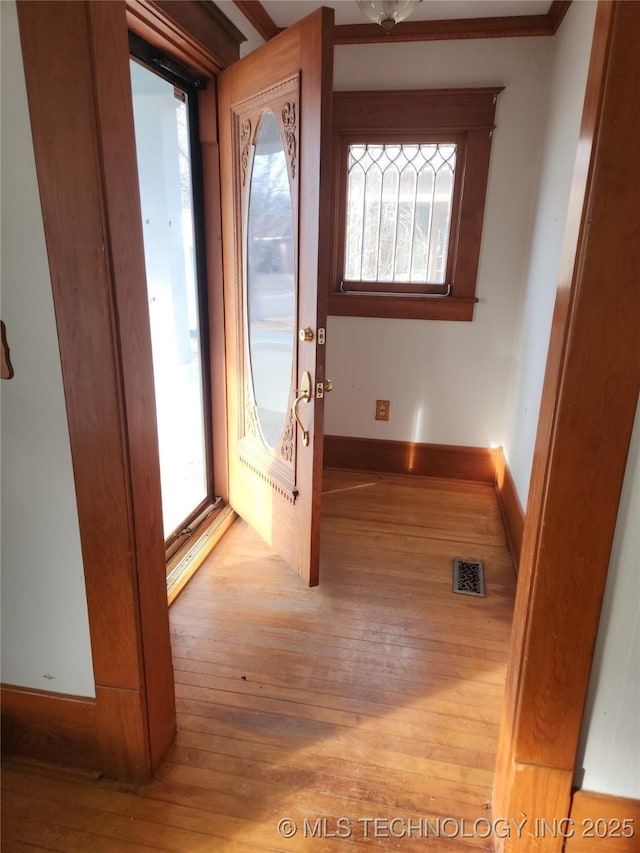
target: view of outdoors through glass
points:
(271, 298)
(164, 171)
(399, 202)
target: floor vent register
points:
(468, 577)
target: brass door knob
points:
(306, 335)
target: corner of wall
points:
(572, 47)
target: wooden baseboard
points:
(598, 821)
(510, 506)
(405, 457)
(478, 464)
(50, 727)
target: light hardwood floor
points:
(375, 695)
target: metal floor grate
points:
(468, 577)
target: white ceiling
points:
(287, 12)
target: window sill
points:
(401, 307)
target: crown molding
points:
(508, 26)
(557, 11)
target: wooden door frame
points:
(587, 411)
(94, 241)
(76, 59)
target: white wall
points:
(571, 49)
(447, 382)
(45, 630)
(610, 747)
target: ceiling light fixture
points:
(387, 13)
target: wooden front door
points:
(274, 110)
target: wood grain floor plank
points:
(318, 808)
(361, 798)
(380, 658)
(412, 632)
(47, 835)
(20, 847)
(309, 719)
(126, 826)
(377, 694)
(234, 722)
(329, 682)
(348, 760)
(367, 747)
(281, 700)
(107, 799)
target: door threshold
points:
(184, 565)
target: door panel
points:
(274, 113)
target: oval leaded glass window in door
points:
(270, 280)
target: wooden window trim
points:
(464, 116)
(196, 34)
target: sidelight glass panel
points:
(271, 298)
(164, 172)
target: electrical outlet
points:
(382, 410)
